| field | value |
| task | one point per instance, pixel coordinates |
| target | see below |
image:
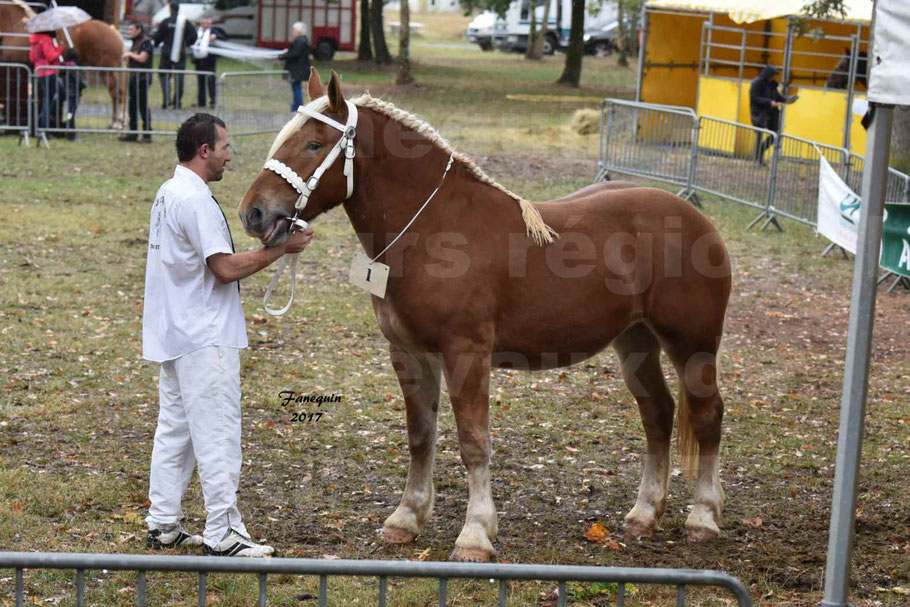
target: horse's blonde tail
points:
(685, 437)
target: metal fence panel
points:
(81, 102)
(897, 189)
(646, 140)
(796, 188)
(379, 569)
(15, 106)
(734, 161)
(254, 102)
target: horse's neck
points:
(390, 190)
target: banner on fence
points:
(838, 218)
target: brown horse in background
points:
(481, 280)
(97, 44)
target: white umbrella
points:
(56, 18)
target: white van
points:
(511, 33)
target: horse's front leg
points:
(418, 376)
(467, 369)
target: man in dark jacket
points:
(297, 63)
(164, 37)
(205, 61)
(765, 102)
(141, 56)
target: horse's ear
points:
(314, 86)
(336, 98)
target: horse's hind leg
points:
(701, 412)
(419, 379)
(639, 354)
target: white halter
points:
(306, 188)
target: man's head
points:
(205, 23)
(136, 30)
(175, 7)
(202, 145)
(768, 72)
(299, 28)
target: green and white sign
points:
(838, 217)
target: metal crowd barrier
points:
(897, 189)
(735, 161)
(776, 173)
(254, 102)
(647, 140)
(87, 107)
(796, 177)
(202, 565)
(15, 106)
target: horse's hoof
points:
(637, 529)
(701, 535)
(470, 555)
(394, 535)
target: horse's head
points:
(302, 146)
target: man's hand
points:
(230, 267)
(298, 241)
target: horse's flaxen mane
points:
(28, 10)
(539, 231)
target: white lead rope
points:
(419, 211)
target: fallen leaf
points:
(597, 533)
(423, 555)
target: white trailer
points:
(511, 32)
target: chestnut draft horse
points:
(483, 280)
(97, 44)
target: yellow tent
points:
(703, 54)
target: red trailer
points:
(331, 23)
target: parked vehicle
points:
(601, 42)
(511, 33)
(480, 30)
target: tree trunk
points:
(621, 45)
(571, 74)
(900, 139)
(542, 36)
(404, 46)
(365, 48)
(532, 30)
(381, 54)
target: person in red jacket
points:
(44, 53)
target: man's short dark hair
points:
(198, 129)
(138, 24)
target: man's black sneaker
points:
(171, 536)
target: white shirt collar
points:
(185, 174)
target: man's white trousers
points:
(198, 422)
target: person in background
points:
(72, 88)
(142, 56)
(193, 325)
(44, 53)
(297, 63)
(164, 37)
(765, 102)
(206, 61)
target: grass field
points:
(78, 407)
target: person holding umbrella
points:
(205, 61)
(44, 53)
(173, 36)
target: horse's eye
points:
(313, 146)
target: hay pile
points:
(585, 122)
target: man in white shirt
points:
(192, 323)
